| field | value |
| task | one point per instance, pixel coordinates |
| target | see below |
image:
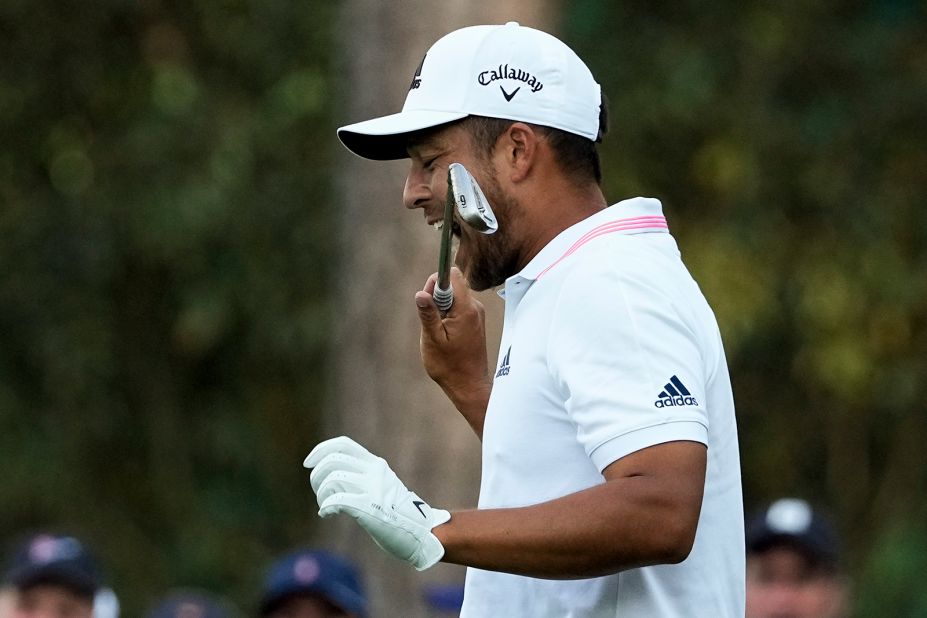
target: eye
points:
(429, 163)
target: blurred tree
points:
(382, 397)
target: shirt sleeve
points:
(626, 362)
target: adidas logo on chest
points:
(504, 365)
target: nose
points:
(416, 192)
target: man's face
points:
(307, 606)
(50, 601)
(782, 583)
(485, 260)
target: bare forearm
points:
(471, 401)
(543, 542)
(572, 537)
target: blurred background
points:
(197, 283)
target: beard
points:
(488, 260)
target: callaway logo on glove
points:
(347, 478)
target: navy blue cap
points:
(190, 603)
(793, 522)
(314, 572)
(54, 559)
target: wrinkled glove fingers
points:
(341, 444)
(342, 483)
(334, 462)
(351, 504)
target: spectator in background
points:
(793, 564)
(190, 603)
(312, 584)
(52, 576)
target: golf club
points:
(466, 198)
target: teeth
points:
(438, 225)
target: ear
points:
(519, 149)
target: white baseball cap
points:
(509, 71)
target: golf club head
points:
(472, 206)
(465, 196)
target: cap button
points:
(512, 23)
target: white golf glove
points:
(347, 478)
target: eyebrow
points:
(424, 139)
(419, 146)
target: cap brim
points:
(81, 583)
(340, 596)
(815, 551)
(385, 138)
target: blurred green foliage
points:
(163, 271)
(165, 199)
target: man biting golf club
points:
(611, 474)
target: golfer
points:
(610, 467)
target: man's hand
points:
(347, 478)
(454, 348)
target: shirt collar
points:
(637, 215)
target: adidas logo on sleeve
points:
(674, 394)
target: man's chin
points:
(478, 268)
(479, 282)
(473, 282)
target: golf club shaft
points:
(443, 294)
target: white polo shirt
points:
(609, 347)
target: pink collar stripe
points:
(621, 225)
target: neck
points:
(552, 207)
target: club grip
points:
(444, 298)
